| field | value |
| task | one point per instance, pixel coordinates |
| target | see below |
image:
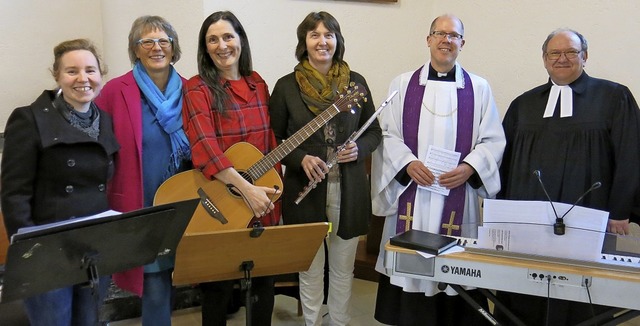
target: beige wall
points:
(504, 40)
(29, 30)
(382, 39)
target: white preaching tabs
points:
(440, 160)
(566, 101)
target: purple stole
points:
(453, 212)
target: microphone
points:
(594, 186)
(558, 226)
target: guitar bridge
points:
(210, 207)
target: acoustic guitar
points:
(221, 206)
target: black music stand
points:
(246, 253)
(80, 251)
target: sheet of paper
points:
(439, 161)
(34, 228)
(527, 227)
(451, 250)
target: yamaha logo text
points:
(464, 271)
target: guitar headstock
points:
(350, 97)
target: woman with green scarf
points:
(342, 195)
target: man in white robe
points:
(395, 166)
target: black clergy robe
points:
(600, 142)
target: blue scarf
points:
(168, 109)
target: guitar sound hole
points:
(233, 190)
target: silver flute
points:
(333, 159)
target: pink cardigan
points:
(120, 97)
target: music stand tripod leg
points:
(90, 264)
(245, 285)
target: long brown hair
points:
(207, 68)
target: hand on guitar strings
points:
(259, 199)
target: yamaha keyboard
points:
(609, 282)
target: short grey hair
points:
(584, 46)
(146, 24)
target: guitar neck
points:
(270, 160)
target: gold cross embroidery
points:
(451, 226)
(407, 218)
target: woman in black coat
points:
(342, 196)
(57, 159)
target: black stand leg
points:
(464, 295)
(245, 285)
(89, 262)
(608, 318)
(500, 306)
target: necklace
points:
(438, 114)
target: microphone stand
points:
(559, 226)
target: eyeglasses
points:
(451, 36)
(149, 43)
(555, 55)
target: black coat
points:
(51, 171)
(288, 114)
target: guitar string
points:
(271, 199)
(234, 188)
(340, 102)
(257, 166)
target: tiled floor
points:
(285, 312)
(286, 308)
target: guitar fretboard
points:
(345, 102)
(270, 160)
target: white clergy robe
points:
(437, 128)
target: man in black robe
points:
(576, 130)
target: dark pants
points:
(216, 297)
(534, 310)
(157, 299)
(73, 305)
(396, 307)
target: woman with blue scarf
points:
(146, 106)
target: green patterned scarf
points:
(318, 91)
